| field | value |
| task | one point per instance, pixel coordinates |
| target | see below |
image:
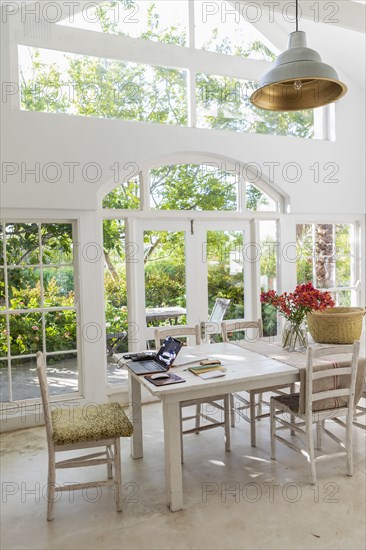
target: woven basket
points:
(337, 325)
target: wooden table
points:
(164, 313)
(246, 370)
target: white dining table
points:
(246, 370)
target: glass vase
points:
(294, 336)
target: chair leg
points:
(309, 434)
(273, 429)
(252, 419)
(51, 486)
(232, 410)
(319, 426)
(227, 421)
(117, 474)
(349, 444)
(109, 465)
(198, 418)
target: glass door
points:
(184, 267)
(226, 273)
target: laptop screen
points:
(168, 352)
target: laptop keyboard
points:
(146, 367)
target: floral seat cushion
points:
(90, 423)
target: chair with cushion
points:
(81, 428)
(327, 393)
(249, 406)
(220, 403)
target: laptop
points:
(162, 361)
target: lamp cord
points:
(297, 15)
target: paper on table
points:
(212, 374)
(188, 360)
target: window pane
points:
(25, 379)
(24, 288)
(343, 271)
(60, 330)
(157, 20)
(221, 28)
(54, 81)
(115, 290)
(165, 277)
(268, 272)
(22, 244)
(4, 380)
(62, 373)
(325, 255)
(193, 187)
(258, 201)
(58, 286)
(25, 333)
(343, 238)
(343, 298)
(3, 337)
(223, 103)
(57, 245)
(2, 289)
(126, 195)
(225, 270)
(1, 245)
(305, 250)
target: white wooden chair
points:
(213, 326)
(81, 428)
(329, 394)
(220, 403)
(360, 411)
(228, 328)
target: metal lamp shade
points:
(299, 80)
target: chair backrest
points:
(42, 377)
(228, 327)
(219, 310)
(176, 330)
(331, 386)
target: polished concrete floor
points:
(234, 500)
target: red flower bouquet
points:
(294, 307)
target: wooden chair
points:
(329, 394)
(360, 411)
(221, 407)
(213, 326)
(228, 328)
(81, 428)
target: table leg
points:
(173, 466)
(136, 417)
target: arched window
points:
(214, 185)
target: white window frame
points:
(123, 48)
(6, 405)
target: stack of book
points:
(209, 368)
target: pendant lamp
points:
(299, 79)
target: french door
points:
(179, 268)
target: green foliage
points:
(125, 196)
(26, 333)
(269, 320)
(165, 284)
(193, 187)
(222, 284)
(223, 103)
